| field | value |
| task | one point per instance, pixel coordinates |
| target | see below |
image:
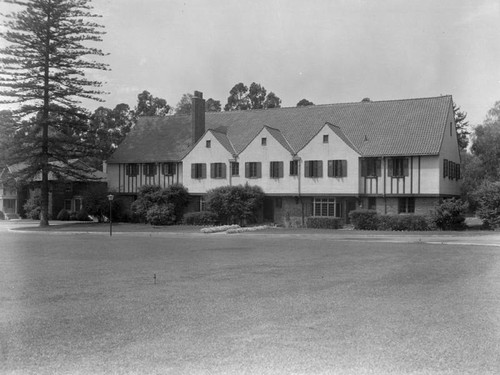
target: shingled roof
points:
(391, 128)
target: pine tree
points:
(43, 73)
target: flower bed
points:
(221, 228)
(246, 229)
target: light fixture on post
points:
(110, 198)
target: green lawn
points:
(88, 304)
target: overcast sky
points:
(327, 51)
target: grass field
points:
(88, 304)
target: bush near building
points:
(235, 204)
(323, 222)
(200, 218)
(155, 205)
(487, 197)
(450, 214)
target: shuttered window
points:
(294, 167)
(313, 168)
(132, 170)
(168, 169)
(253, 170)
(217, 170)
(337, 168)
(235, 168)
(397, 167)
(276, 169)
(198, 170)
(149, 169)
(371, 167)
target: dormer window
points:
(325, 138)
(264, 141)
(208, 143)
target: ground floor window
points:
(406, 205)
(203, 204)
(327, 207)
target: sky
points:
(327, 51)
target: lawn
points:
(89, 304)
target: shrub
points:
(450, 214)
(488, 198)
(403, 222)
(234, 204)
(96, 203)
(200, 218)
(323, 222)
(177, 195)
(364, 219)
(32, 207)
(63, 215)
(161, 214)
(82, 215)
(2, 215)
(73, 216)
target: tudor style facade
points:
(396, 156)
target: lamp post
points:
(110, 198)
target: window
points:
(263, 141)
(327, 207)
(253, 170)
(9, 204)
(168, 169)
(235, 168)
(198, 170)
(397, 167)
(149, 169)
(370, 167)
(406, 205)
(325, 138)
(276, 169)
(337, 168)
(217, 170)
(208, 143)
(313, 168)
(294, 167)
(445, 168)
(78, 204)
(132, 170)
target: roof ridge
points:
(332, 104)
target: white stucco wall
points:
(201, 154)
(335, 149)
(272, 151)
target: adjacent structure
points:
(398, 156)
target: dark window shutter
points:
(281, 169)
(203, 170)
(212, 170)
(445, 168)
(193, 170)
(344, 168)
(406, 167)
(259, 169)
(307, 168)
(223, 175)
(320, 168)
(247, 170)
(379, 167)
(363, 167)
(390, 167)
(330, 168)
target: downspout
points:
(385, 182)
(299, 186)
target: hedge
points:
(323, 222)
(200, 218)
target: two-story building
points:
(398, 156)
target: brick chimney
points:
(197, 116)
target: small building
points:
(397, 156)
(65, 191)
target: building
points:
(398, 156)
(64, 191)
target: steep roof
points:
(394, 127)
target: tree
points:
(148, 105)
(462, 126)
(304, 103)
(184, 105)
(212, 105)
(43, 66)
(242, 98)
(486, 143)
(108, 128)
(272, 101)
(238, 98)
